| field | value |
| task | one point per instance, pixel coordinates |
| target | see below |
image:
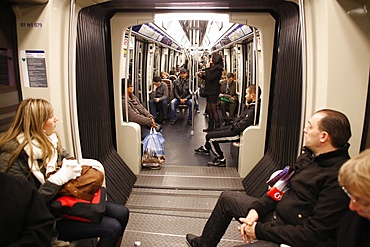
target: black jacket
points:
(246, 118)
(212, 79)
(181, 89)
(354, 231)
(310, 211)
(24, 219)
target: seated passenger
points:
(165, 75)
(31, 148)
(228, 99)
(136, 111)
(24, 217)
(182, 95)
(307, 210)
(231, 133)
(354, 177)
(159, 99)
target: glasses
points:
(355, 200)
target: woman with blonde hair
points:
(31, 148)
(354, 177)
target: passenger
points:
(309, 212)
(165, 75)
(31, 148)
(182, 96)
(354, 177)
(24, 218)
(212, 77)
(231, 133)
(159, 99)
(228, 99)
(136, 111)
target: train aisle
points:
(167, 204)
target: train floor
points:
(167, 204)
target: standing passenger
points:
(212, 76)
(159, 99)
(31, 148)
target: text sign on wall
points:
(34, 68)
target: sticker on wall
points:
(33, 68)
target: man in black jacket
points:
(308, 213)
(232, 133)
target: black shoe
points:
(217, 162)
(202, 150)
(173, 122)
(192, 240)
(189, 122)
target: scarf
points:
(37, 154)
(280, 183)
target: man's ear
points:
(324, 136)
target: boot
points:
(217, 126)
(211, 126)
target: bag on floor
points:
(70, 207)
(153, 149)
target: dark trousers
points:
(110, 229)
(230, 204)
(222, 135)
(232, 107)
(161, 105)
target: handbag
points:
(70, 207)
(83, 187)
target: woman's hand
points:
(70, 169)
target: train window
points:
(9, 80)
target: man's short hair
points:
(230, 75)
(337, 125)
(157, 79)
(252, 88)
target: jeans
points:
(110, 229)
(175, 103)
(163, 106)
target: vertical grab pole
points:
(255, 71)
(72, 85)
(304, 71)
(127, 72)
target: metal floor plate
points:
(169, 203)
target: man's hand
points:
(247, 229)
(156, 100)
(182, 101)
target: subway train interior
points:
(305, 55)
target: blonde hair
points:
(29, 120)
(355, 174)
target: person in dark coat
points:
(232, 133)
(212, 76)
(306, 210)
(354, 177)
(24, 218)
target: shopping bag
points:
(70, 207)
(153, 149)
